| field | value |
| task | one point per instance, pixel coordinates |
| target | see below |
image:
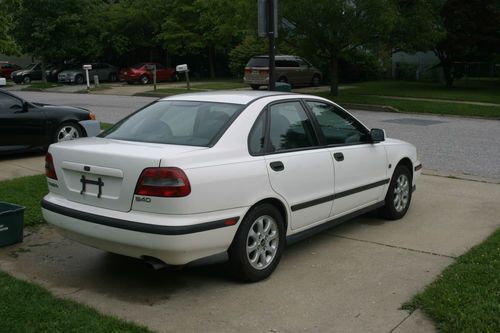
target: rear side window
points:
(256, 139)
(176, 122)
(290, 128)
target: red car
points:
(6, 69)
(143, 73)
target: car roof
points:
(225, 96)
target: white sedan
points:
(234, 175)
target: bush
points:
(239, 56)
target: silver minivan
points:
(289, 68)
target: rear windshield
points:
(258, 62)
(176, 122)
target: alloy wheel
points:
(262, 242)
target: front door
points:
(360, 165)
(299, 170)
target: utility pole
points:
(271, 36)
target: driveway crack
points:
(401, 322)
(395, 246)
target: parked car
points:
(28, 74)
(143, 74)
(25, 125)
(7, 68)
(52, 73)
(233, 175)
(288, 68)
(105, 72)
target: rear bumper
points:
(174, 239)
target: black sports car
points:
(25, 125)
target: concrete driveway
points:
(352, 278)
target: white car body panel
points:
(226, 181)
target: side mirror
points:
(377, 135)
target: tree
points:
(7, 44)
(329, 27)
(472, 31)
(197, 26)
(56, 30)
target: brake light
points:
(264, 71)
(163, 182)
(91, 116)
(248, 70)
(50, 171)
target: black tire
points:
(255, 86)
(79, 79)
(398, 197)
(316, 80)
(26, 79)
(144, 79)
(112, 77)
(66, 127)
(274, 238)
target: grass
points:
(105, 126)
(372, 93)
(28, 192)
(41, 85)
(472, 90)
(466, 296)
(25, 307)
(220, 85)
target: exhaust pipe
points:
(154, 263)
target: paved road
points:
(106, 107)
(448, 144)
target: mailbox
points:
(181, 68)
(88, 67)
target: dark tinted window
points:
(257, 135)
(290, 128)
(338, 127)
(258, 62)
(9, 104)
(175, 122)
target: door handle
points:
(277, 166)
(339, 157)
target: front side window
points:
(9, 104)
(338, 127)
(290, 128)
(175, 122)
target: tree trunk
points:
(44, 74)
(211, 60)
(334, 85)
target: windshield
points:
(136, 66)
(30, 66)
(176, 122)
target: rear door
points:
(299, 170)
(361, 169)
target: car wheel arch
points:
(405, 161)
(277, 203)
(73, 122)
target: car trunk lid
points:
(104, 172)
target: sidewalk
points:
(21, 165)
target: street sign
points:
(263, 25)
(87, 67)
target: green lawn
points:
(371, 93)
(466, 296)
(220, 85)
(472, 90)
(25, 307)
(27, 192)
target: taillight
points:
(91, 116)
(248, 70)
(163, 182)
(50, 170)
(264, 71)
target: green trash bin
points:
(11, 223)
(283, 86)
